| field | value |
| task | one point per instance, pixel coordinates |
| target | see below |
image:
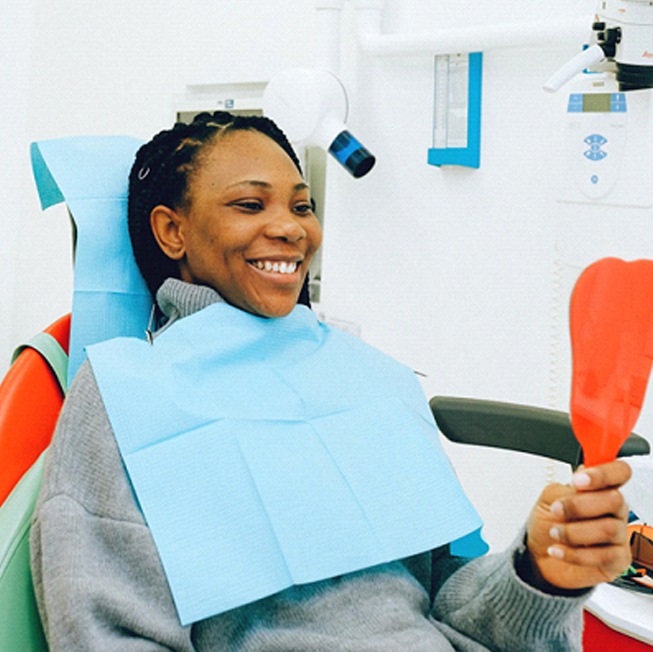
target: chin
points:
(274, 313)
(278, 309)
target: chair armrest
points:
(523, 428)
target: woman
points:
(223, 231)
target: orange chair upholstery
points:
(30, 401)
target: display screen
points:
(596, 102)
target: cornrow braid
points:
(160, 176)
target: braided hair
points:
(160, 175)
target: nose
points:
(286, 226)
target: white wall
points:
(449, 270)
(14, 81)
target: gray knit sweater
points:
(100, 585)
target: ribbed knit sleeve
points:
(487, 601)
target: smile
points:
(279, 267)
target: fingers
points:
(608, 561)
(600, 542)
(589, 523)
(613, 474)
(590, 505)
(601, 532)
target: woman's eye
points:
(303, 209)
(252, 206)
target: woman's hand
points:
(577, 534)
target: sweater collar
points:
(178, 299)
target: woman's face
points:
(248, 231)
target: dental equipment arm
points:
(622, 34)
(585, 59)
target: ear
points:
(166, 227)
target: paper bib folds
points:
(271, 452)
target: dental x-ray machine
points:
(310, 105)
(609, 135)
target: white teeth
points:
(275, 266)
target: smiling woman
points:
(224, 190)
(245, 227)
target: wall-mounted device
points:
(310, 105)
(608, 135)
(607, 148)
(457, 110)
(241, 98)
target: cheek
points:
(204, 256)
(209, 242)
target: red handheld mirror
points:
(611, 323)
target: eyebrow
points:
(264, 184)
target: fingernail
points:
(558, 553)
(555, 533)
(581, 480)
(557, 509)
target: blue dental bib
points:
(266, 453)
